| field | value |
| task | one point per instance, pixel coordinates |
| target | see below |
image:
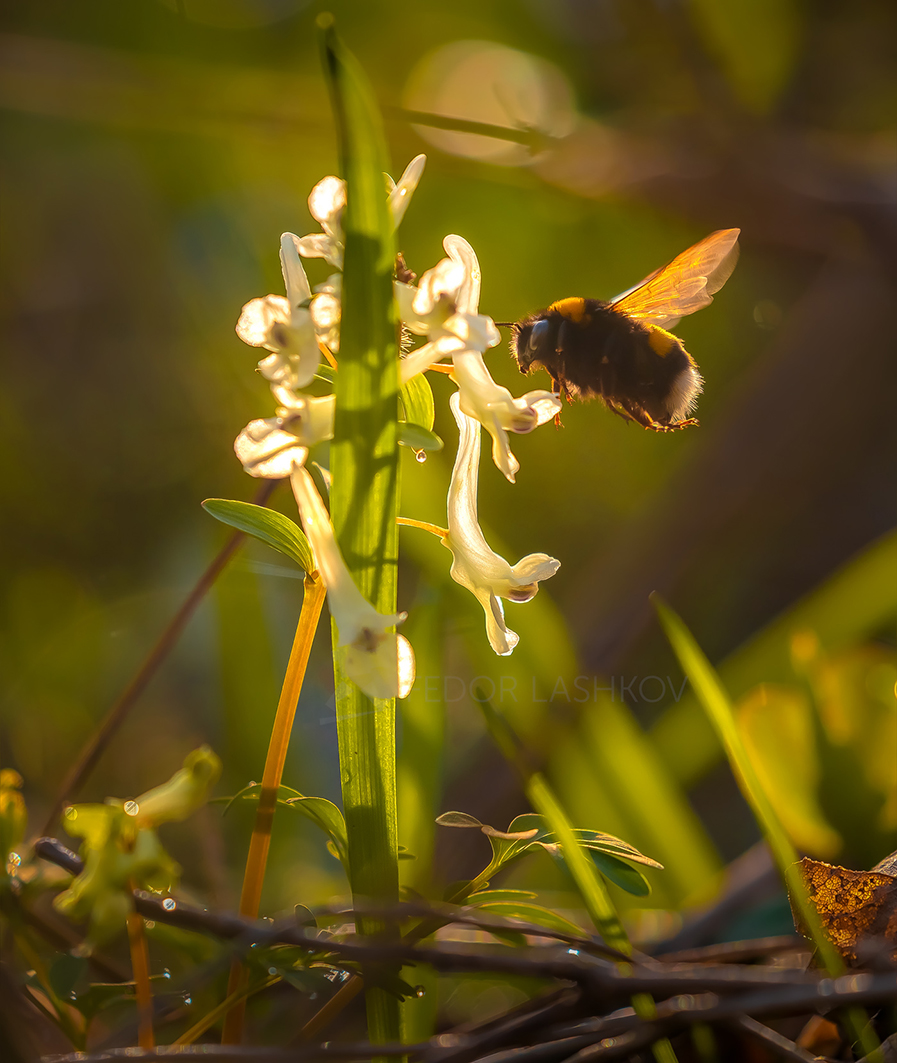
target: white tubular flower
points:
(444, 307)
(284, 325)
(476, 566)
(328, 201)
(377, 659)
(400, 194)
(326, 204)
(497, 409)
(326, 311)
(269, 448)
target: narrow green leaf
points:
(531, 913)
(328, 817)
(268, 525)
(624, 875)
(417, 401)
(251, 792)
(458, 819)
(418, 438)
(607, 843)
(494, 896)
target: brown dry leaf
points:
(857, 908)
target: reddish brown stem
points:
(102, 736)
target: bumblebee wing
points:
(684, 285)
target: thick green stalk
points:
(364, 495)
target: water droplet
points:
(420, 456)
(14, 859)
(272, 970)
(166, 973)
(313, 996)
(572, 952)
(254, 945)
(169, 904)
(71, 813)
(131, 808)
(420, 991)
(149, 924)
(188, 1000)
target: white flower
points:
(328, 201)
(400, 194)
(377, 659)
(444, 307)
(284, 325)
(326, 311)
(269, 448)
(497, 409)
(326, 204)
(476, 566)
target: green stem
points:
(364, 496)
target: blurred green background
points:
(154, 151)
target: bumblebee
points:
(620, 351)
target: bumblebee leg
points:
(619, 411)
(559, 387)
(647, 422)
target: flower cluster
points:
(444, 309)
(122, 851)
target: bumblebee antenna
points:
(504, 324)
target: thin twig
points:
(101, 737)
(738, 951)
(238, 1053)
(773, 1042)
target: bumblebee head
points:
(530, 340)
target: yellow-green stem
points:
(210, 1018)
(424, 525)
(142, 987)
(257, 858)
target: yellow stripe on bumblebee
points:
(573, 308)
